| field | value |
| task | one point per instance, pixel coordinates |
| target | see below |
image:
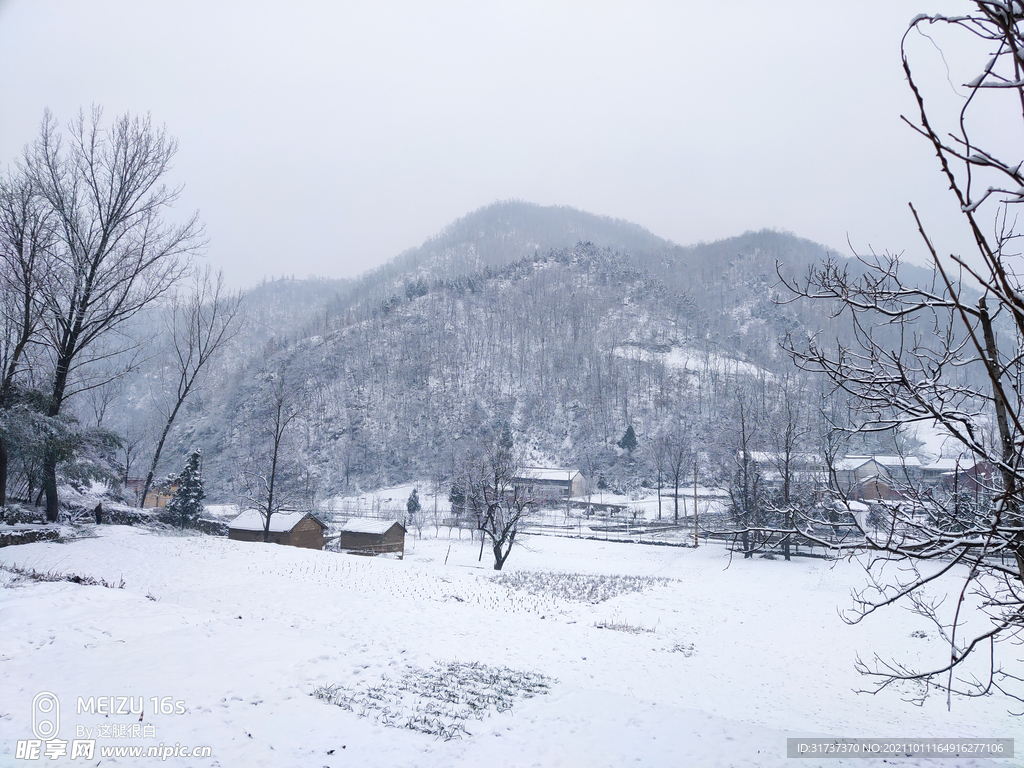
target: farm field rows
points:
(652, 656)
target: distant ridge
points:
(503, 232)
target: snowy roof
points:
(771, 457)
(280, 522)
(897, 461)
(549, 473)
(853, 462)
(950, 465)
(365, 525)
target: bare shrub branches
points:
(950, 354)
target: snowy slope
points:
(729, 658)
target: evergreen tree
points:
(457, 497)
(629, 441)
(412, 506)
(506, 443)
(186, 506)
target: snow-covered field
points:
(713, 662)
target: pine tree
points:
(457, 497)
(185, 508)
(506, 443)
(412, 506)
(629, 441)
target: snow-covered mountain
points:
(567, 326)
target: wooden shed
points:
(297, 529)
(372, 536)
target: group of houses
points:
(868, 478)
(545, 485)
(864, 478)
(304, 529)
(877, 478)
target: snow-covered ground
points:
(687, 359)
(725, 660)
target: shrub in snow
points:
(33, 575)
(687, 649)
(620, 625)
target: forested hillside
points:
(496, 321)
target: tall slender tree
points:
(200, 324)
(279, 407)
(26, 239)
(114, 251)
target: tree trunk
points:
(60, 381)
(659, 494)
(695, 529)
(159, 449)
(270, 493)
(499, 558)
(675, 513)
(50, 487)
(3, 472)
(1005, 436)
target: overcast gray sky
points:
(326, 137)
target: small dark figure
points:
(99, 513)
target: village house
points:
(372, 537)
(966, 475)
(158, 495)
(551, 484)
(934, 474)
(804, 468)
(876, 477)
(297, 529)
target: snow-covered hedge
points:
(26, 535)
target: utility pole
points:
(695, 501)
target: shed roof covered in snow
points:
(855, 462)
(549, 473)
(950, 465)
(280, 522)
(366, 525)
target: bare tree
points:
(745, 481)
(498, 498)
(132, 439)
(200, 324)
(104, 395)
(658, 453)
(674, 455)
(26, 238)
(932, 354)
(283, 403)
(114, 252)
(788, 429)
